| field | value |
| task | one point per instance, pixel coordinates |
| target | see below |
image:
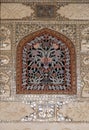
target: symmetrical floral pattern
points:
(45, 11)
(47, 64)
(46, 107)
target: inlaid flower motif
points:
(4, 59)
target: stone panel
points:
(15, 11)
(71, 112)
(74, 11)
(76, 111)
(44, 126)
(13, 111)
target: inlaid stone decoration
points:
(53, 109)
(15, 11)
(46, 64)
(85, 39)
(45, 11)
(5, 40)
(4, 60)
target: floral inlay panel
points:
(45, 11)
(46, 64)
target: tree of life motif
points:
(46, 64)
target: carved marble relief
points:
(84, 38)
(69, 11)
(50, 111)
(4, 90)
(46, 111)
(85, 84)
(61, 111)
(4, 84)
(48, 10)
(4, 77)
(86, 60)
(5, 40)
(85, 75)
(69, 110)
(15, 11)
(5, 59)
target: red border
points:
(69, 44)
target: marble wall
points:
(32, 112)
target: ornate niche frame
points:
(46, 64)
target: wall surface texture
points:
(20, 18)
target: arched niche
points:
(45, 64)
